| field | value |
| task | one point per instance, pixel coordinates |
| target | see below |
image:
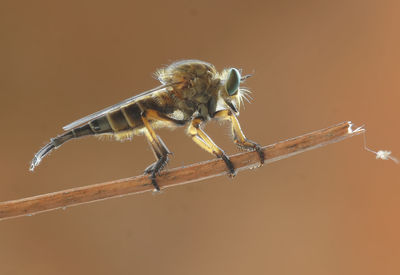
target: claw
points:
(252, 146)
(229, 164)
(154, 183)
(155, 169)
(261, 154)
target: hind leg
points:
(159, 149)
(162, 160)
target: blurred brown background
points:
(329, 211)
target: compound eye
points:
(233, 81)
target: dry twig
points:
(181, 175)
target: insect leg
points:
(160, 151)
(205, 142)
(238, 137)
(156, 115)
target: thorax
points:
(197, 83)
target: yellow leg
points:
(157, 116)
(238, 136)
(205, 142)
(155, 141)
(160, 151)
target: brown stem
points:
(181, 175)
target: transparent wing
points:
(114, 107)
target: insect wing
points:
(114, 107)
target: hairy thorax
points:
(197, 82)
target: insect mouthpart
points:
(231, 105)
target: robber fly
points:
(192, 93)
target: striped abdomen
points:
(121, 123)
(124, 119)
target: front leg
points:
(238, 137)
(205, 142)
